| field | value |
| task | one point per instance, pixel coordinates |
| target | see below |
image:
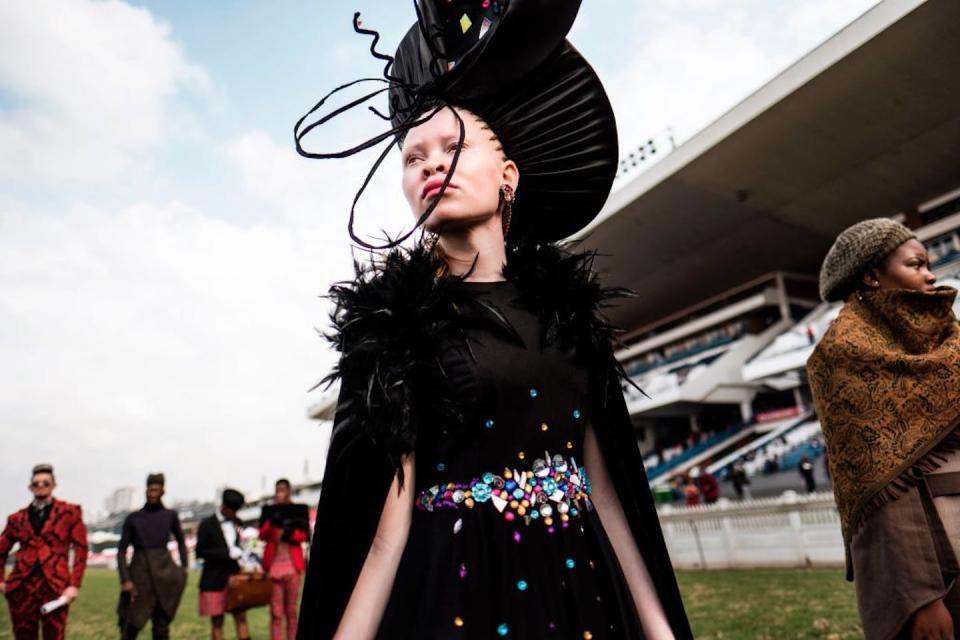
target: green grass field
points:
(93, 615)
(771, 604)
(752, 605)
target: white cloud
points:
(156, 338)
(812, 20)
(689, 5)
(691, 60)
(90, 84)
(685, 76)
(317, 194)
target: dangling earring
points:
(507, 198)
(431, 240)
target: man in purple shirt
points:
(151, 585)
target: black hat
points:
(42, 468)
(233, 499)
(474, 48)
(156, 478)
(509, 63)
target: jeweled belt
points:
(553, 488)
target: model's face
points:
(154, 493)
(42, 485)
(473, 195)
(905, 268)
(282, 494)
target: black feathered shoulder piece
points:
(392, 320)
(561, 285)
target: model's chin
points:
(445, 218)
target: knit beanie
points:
(855, 250)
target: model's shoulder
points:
(846, 330)
(392, 300)
(401, 278)
(20, 515)
(562, 284)
(563, 275)
(69, 507)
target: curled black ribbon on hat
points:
(420, 100)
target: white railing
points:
(788, 531)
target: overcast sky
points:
(163, 250)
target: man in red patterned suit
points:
(46, 531)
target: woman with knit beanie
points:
(886, 384)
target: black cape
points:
(388, 323)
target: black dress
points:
(504, 541)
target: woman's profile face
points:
(905, 268)
(472, 196)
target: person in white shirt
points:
(219, 546)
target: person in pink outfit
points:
(284, 526)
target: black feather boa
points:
(389, 323)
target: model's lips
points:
(432, 188)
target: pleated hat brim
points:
(559, 127)
(549, 110)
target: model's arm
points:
(6, 543)
(299, 536)
(181, 542)
(605, 501)
(126, 535)
(78, 539)
(265, 530)
(361, 619)
(206, 548)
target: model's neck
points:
(477, 250)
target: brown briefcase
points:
(248, 590)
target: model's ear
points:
(871, 278)
(510, 174)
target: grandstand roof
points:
(867, 124)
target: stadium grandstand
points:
(722, 236)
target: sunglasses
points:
(40, 484)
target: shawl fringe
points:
(907, 477)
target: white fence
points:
(788, 531)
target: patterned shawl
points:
(886, 384)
